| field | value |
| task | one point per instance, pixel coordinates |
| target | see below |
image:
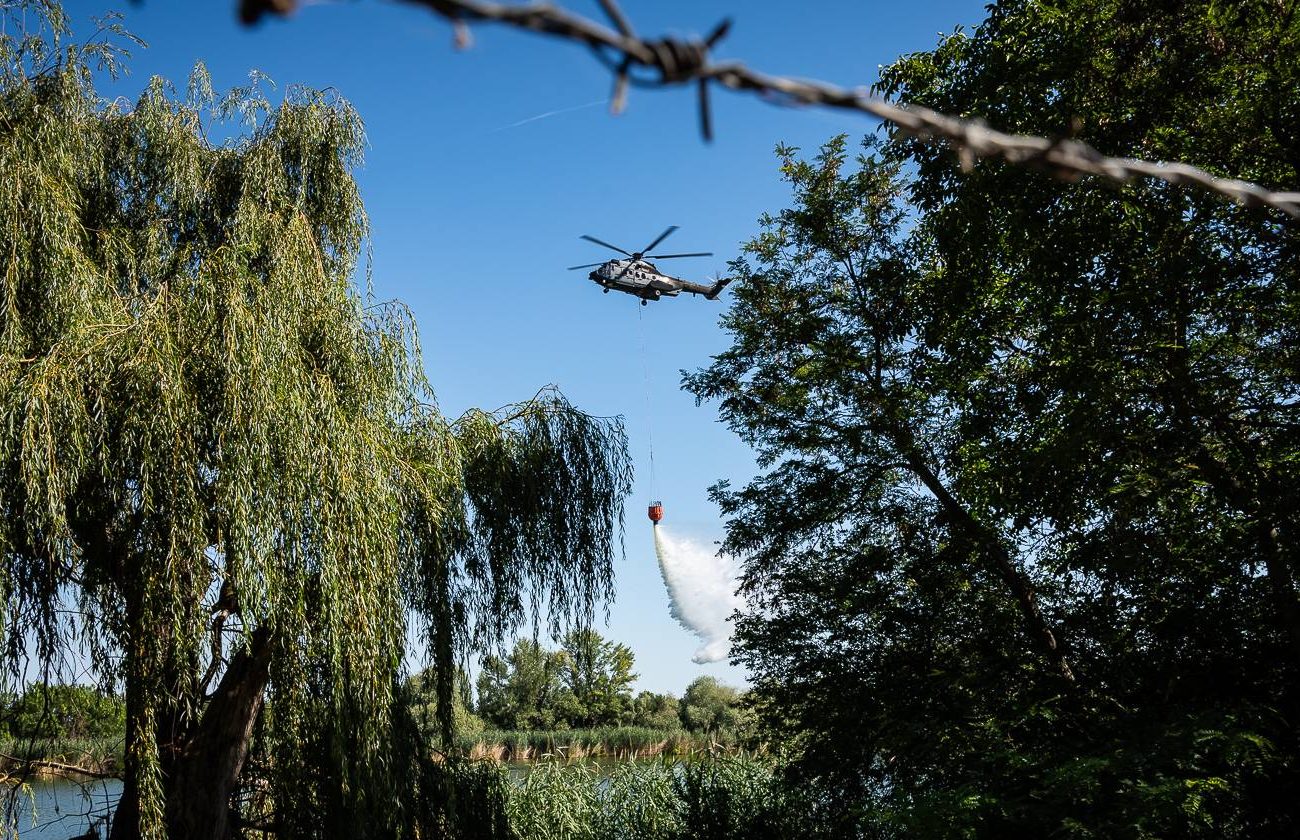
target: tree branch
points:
(58, 767)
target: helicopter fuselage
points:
(642, 279)
(636, 277)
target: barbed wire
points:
(674, 61)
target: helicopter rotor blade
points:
(588, 265)
(661, 238)
(606, 244)
(675, 256)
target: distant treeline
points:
(62, 726)
(61, 711)
(579, 697)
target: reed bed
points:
(619, 742)
(714, 797)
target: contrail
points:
(548, 114)
(702, 592)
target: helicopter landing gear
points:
(645, 302)
(606, 291)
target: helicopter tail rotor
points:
(717, 288)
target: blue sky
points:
(477, 203)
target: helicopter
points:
(638, 276)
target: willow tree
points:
(223, 459)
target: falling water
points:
(701, 590)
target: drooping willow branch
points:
(199, 400)
(673, 61)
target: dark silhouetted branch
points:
(675, 61)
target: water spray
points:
(701, 586)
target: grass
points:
(574, 744)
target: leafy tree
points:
(585, 683)
(227, 461)
(597, 674)
(656, 711)
(709, 706)
(521, 691)
(1023, 559)
(421, 693)
(66, 711)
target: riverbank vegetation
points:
(720, 798)
(72, 757)
(62, 729)
(61, 711)
(706, 797)
(577, 701)
(587, 683)
(605, 742)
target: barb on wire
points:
(673, 61)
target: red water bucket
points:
(656, 512)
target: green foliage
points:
(710, 706)
(597, 675)
(1023, 560)
(556, 801)
(197, 400)
(421, 695)
(101, 754)
(739, 799)
(637, 800)
(522, 690)
(449, 799)
(655, 710)
(585, 683)
(66, 711)
(699, 799)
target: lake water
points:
(58, 809)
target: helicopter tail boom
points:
(707, 292)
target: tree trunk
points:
(203, 774)
(208, 771)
